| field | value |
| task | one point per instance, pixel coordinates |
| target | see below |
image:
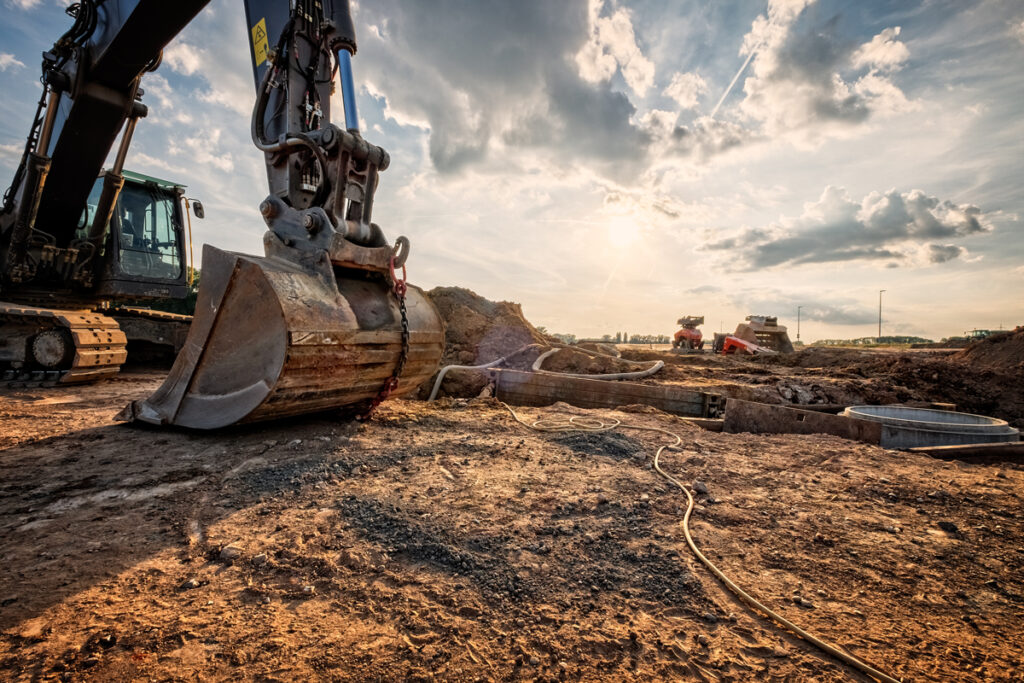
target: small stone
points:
(819, 538)
(710, 617)
(266, 600)
(308, 590)
(190, 584)
(602, 499)
(947, 526)
(230, 553)
(703, 640)
(295, 442)
(534, 661)
(699, 486)
(259, 559)
(644, 498)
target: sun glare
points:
(623, 231)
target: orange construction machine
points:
(689, 338)
(759, 334)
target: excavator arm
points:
(321, 321)
(91, 80)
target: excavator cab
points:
(144, 251)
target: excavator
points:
(323, 320)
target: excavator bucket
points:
(271, 339)
(766, 332)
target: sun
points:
(623, 230)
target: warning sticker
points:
(260, 46)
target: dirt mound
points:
(478, 331)
(579, 363)
(1003, 352)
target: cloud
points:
(612, 47)
(881, 226)
(686, 89)
(707, 137)
(8, 61)
(799, 83)
(883, 52)
(941, 253)
(1018, 31)
(491, 101)
(184, 58)
(23, 4)
(833, 308)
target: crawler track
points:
(99, 345)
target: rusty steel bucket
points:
(271, 339)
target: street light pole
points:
(798, 322)
(880, 314)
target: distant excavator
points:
(324, 320)
(759, 334)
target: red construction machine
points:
(689, 338)
(759, 334)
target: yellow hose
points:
(590, 424)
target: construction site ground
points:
(444, 541)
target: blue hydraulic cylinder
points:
(348, 89)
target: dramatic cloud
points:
(8, 61)
(490, 99)
(612, 47)
(686, 89)
(799, 82)
(881, 226)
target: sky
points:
(613, 165)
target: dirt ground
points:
(446, 542)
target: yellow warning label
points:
(259, 41)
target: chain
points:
(398, 290)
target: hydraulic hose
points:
(445, 369)
(288, 144)
(658, 365)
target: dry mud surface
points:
(446, 542)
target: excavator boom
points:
(322, 320)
